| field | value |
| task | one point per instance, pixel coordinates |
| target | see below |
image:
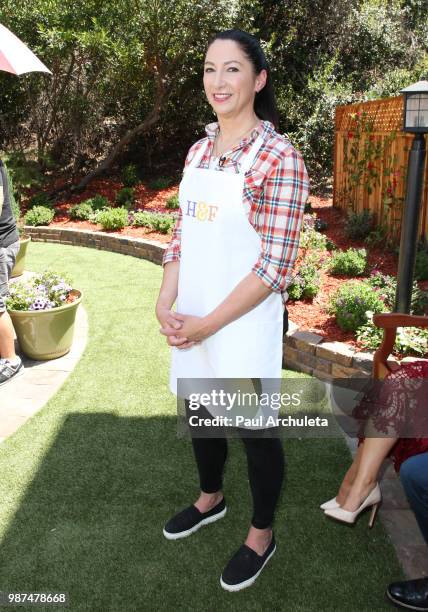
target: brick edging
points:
(127, 245)
(302, 351)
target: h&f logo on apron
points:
(201, 211)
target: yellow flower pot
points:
(46, 334)
(19, 266)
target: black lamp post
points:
(415, 119)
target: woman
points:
(397, 410)
(232, 251)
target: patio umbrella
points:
(16, 57)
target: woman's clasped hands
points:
(183, 331)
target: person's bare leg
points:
(349, 477)
(259, 539)
(374, 452)
(207, 501)
(7, 342)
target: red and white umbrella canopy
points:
(16, 57)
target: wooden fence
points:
(370, 163)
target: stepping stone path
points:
(27, 394)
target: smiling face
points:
(230, 81)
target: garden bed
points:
(309, 314)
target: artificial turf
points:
(87, 483)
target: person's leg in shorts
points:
(10, 363)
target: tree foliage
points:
(127, 74)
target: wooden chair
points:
(389, 323)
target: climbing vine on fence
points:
(368, 163)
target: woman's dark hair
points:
(264, 101)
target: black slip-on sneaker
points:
(410, 594)
(9, 371)
(190, 519)
(245, 566)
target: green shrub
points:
(98, 202)
(306, 283)
(308, 207)
(359, 224)
(351, 302)
(381, 281)
(125, 197)
(39, 215)
(295, 288)
(173, 202)
(421, 265)
(154, 221)
(385, 286)
(311, 239)
(39, 199)
(164, 224)
(160, 183)
(143, 219)
(81, 212)
(352, 262)
(130, 175)
(377, 236)
(369, 335)
(408, 341)
(112, 218)
(419, 301)
(412, 341)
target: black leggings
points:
(265, 461)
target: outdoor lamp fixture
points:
(415, 119)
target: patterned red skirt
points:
(399, 404)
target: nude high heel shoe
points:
(346, 516)
(330, 504)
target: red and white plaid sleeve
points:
(286, 189)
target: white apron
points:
(219, 247)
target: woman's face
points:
(229, 80)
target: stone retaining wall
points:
(303, 351)
(137, 247)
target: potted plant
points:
(43, 311)
(19, 267)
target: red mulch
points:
(311, 315)
(308, 315)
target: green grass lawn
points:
(87, 484)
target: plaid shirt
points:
(275, 191)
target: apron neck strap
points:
(246, 164)
(249, 158)
(197, 157)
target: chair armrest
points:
(388, 320)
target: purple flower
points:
(39, 304)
